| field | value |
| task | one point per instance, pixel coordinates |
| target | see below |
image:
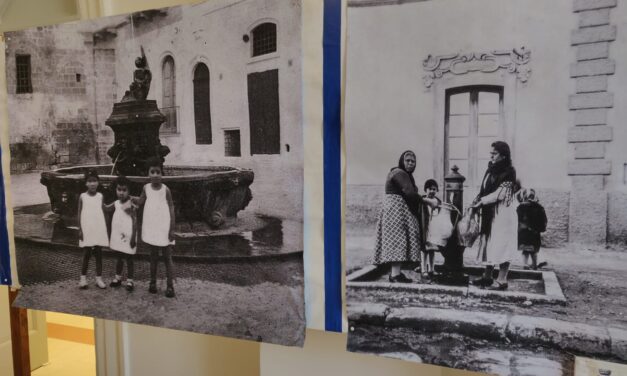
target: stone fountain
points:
(207, 195)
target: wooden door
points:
(474, 120)
(263, 112)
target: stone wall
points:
(211, 33)
(591, 132)
(53, 125)
(105, 87)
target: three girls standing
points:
(157, 227)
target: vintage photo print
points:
(157, 168)
(486, 215)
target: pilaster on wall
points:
(590, 132)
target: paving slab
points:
(474, 324)
(564, 334)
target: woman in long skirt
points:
(499, 220)
(399, 236)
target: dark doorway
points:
(202, 111)
(263, 112)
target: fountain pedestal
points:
(135, 126)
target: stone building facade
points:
(447, 78)
(226, 74)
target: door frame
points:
(19, 337)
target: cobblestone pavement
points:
(267, 312)
(259, 300)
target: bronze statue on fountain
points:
(135, 122)
(208, 194)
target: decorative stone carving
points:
(515, 61)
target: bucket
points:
(442, 224)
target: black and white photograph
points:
(486, 183)
(157, 168)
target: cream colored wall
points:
(6, 359)
(325, 354)
(22, 14)
(70, 320)
(153, 351)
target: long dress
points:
(122, 229)
(156, 217)
(93, 223)
(503, 240)
(398, 237)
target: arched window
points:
(264, 39)
(474, 120)
(202, 112)
(169, 95)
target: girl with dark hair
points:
(123, 232)
(532, 222)
(499, 221)
(399, 236)
(427, 259)
(157, 228)
(92, 228)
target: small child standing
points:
(532, 222)
(92, 228)
(427, 256)
(123, 233)
(158, 224)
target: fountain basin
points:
(210, 194)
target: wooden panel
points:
(19, 338)
(263, 112)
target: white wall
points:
(389, 110)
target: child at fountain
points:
(123, 232)
(158, 224)
(92, 228)
(427, 256)
(531, 223)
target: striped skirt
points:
(398, 233)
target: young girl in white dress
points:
(123, 233)
(157, 230)
(92, 228)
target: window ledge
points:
(270, 56)
(169, 134)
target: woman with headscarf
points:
(499, 221)
(399, 236)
